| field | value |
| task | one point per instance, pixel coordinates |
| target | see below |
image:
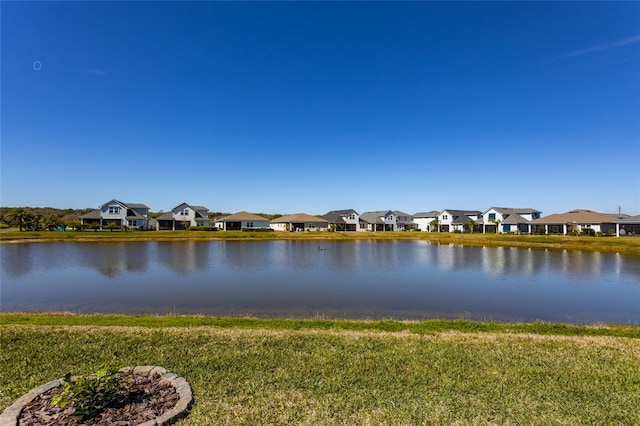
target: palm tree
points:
(20, 215)
(471, 224)
(111, 226)
(435, 224)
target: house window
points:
(445, 217)
(352, 216)
(492, 216)
(114, 209)
(311, 225)
(363, 226)
(184, 212)
(249, 224)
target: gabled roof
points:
(399, 213)
(299, 217)
(462, 212)
(242, 216)
(514, 219)
(577, 216)
(126, 205)
(132, 214)
(374, 217)
(509, 210)
(336, 216)
(431, 214)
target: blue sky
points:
(283, 107)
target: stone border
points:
(10, 415)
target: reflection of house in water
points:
(110, 259)
(184, 256)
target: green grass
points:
(623, 245)
(248, 371)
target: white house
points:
(242, 221)
(299, 222)
(458, 220)
(404, 221)
(184, 216)
(131, 215)
(382, 220)
(508, 219)
(423, 220)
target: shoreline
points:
(621, 245)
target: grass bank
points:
(247, 371)
(623, 245)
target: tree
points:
(435, 223)
(74, 223)
(472, 224)
(111, 226)
(49, 222)
(19, 215)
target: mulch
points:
(144, 399)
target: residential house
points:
(344, 220)
(628, 226)
(507, 219)
(458, 220)
(404, 221)
(576, 220)
(131, 215)
(382, 220)
(184, 216)
(241, 221)
(299, 222)
(425, 221)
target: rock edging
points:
(10, 415)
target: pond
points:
(299, 279)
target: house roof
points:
(577, 216)
(461, 212)
(134, 214)
(242, 216)
(630, 219)
(93, 214)
(136, 206)
(511, 210)
(400, 213)
(165, 216)
(374, 217)
(431, 214)
(299, 217)
(336, 216)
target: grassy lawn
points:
(623, 245)
(248, 371)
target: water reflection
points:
(401, 279)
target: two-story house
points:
(184, 216)
(131, 215)
(458, 220)
(382, 220)
(425, 221)
(508, 219)
(344, 220)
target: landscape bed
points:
(250, 371)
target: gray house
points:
(345, 220)
(131, 215)
(184, 216)
(242, 220)
(381, 220)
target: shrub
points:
(88, 395)
(588, 231)
(202, 228)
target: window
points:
(184, 212)
(114, 209)
(311, 225)
(492, 216)
(249, 224)
(445, 217)
(352, 216)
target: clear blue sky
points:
(284, 107)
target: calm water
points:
(358, 279)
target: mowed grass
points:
(354, 373)
(623, 245)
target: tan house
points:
(242, 221)
(576, 220)
(299, 222)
